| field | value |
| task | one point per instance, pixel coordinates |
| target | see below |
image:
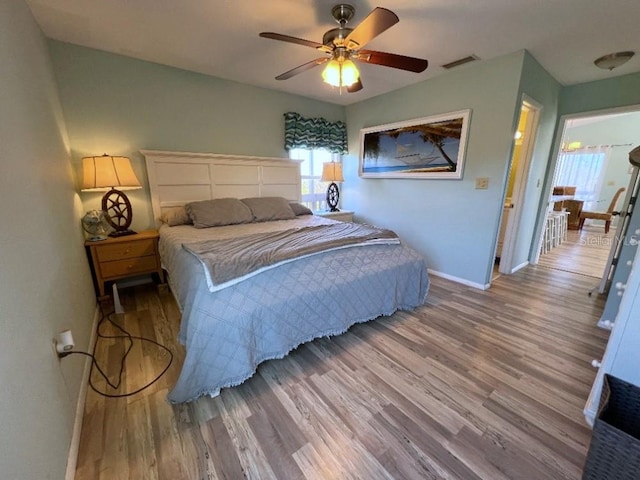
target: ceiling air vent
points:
(462, 61)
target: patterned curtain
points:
(312, 133)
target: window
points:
(314, 190)
(584, 170)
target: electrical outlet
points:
(482, 183)
(63, 343)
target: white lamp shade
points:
(332, 172)
(331, 73)
(105, 172)
(340, 73)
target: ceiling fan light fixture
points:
(340, 73)
(350, 73)
(344, 44)
(331, 73)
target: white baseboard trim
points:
(463, 281)
(519, 267)
(72, 459)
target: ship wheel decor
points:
(118, 212)
(333, 196)
(106, 172)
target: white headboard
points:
(176, 178)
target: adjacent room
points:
(593, 159)
(317, 240)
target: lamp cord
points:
(125, 335)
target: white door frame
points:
(553, 163)
(522, 174)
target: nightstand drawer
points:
(119, 251)
(131, 266)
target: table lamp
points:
(114, 174)
(332, 172)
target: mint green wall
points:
(45, 284)
(537, 84)
(120, 105)
(603, 94)
(450, 222)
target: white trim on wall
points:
(463, 281)
(74, 448)
(519, 267)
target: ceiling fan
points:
(343, 44)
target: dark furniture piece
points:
(614, 452)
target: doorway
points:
(593, 159)
(516, 183)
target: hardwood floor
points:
(584, 252)
(473, 385)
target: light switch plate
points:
(482, 183)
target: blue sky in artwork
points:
(409, 151)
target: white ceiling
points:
(220, 37)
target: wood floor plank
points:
(472, 385)
(401, 427)
(584, 252)
(142, 455)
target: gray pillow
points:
(173, 216)
(218, 212)
(300, 209)
(269, 208)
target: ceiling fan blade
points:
(392, 60)
(356, 87)
(302, 68)
(287, 38)
(379, 20)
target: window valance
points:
(312, 133)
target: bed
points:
(230, 327)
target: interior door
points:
(516, 184)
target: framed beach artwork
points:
(429, 147)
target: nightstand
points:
(123, 257)
(339, 216)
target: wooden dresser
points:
(123, 257)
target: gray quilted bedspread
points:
(228, 333)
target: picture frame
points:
(423, 148)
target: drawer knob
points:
(596, 364)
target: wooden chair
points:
(606, 216)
